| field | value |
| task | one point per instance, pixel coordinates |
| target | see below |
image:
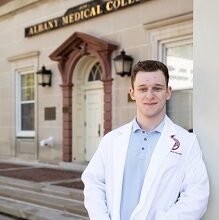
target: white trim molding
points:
(167, 30)
(22, 64)
(15, 5)
(19, 102)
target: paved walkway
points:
(43, 192)
(42, 172)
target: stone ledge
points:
(46, 201)
(30, 211)
(45, 188)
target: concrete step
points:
(44, 187)
(43, 195)
(34, 212)
(51, 201)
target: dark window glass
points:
(95, 73)
(27, 117)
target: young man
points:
(149, 169)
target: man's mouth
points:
(152, 103)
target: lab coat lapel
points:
(120, 149)
(163, 147)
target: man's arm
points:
(94, 192)
(193, 199)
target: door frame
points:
(67, 55)
(81, 84)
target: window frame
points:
(173, 42)
(19, 131)
(163, 46)
(95, 73)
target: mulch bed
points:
(41, 174)
(75, 185)
(11, 165)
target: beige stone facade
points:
(141, 30)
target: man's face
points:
(150, 93)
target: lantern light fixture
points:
(123, 64)
(44, 77)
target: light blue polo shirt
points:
(140, 149)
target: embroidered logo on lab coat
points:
(175, 146)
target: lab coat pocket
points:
(170, 169)
(168, 182)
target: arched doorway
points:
(68, 55)
(87, 108)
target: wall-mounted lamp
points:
(123, 64)
(44, 77)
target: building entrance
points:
(79, 55)
(87, 108)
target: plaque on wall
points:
(50, 113)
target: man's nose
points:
(149, 94)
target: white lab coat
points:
(175, 187)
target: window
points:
(179, 58)
(95, 73)
(25, 104)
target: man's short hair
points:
(149, 66)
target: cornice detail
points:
(168, 21)
(23, 56)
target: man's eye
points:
(157, 88)
(143, 89)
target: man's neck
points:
(149, 124)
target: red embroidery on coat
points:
(177, 143)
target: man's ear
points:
(169, 92)
(132, 94)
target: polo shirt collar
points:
(136, 127)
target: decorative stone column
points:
(107, 87)
(67, 122)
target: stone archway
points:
(67, 55)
